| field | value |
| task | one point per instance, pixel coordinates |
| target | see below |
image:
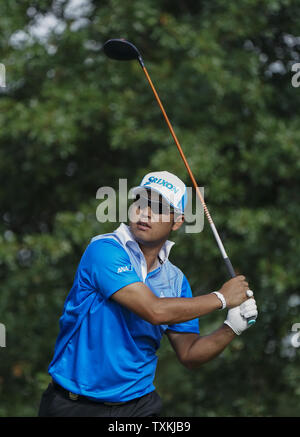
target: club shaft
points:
(198, 192)
(227, 261)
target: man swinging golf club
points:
(126, 295)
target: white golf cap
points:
(172, 189)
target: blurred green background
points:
(72, 121)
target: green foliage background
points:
(72, 120)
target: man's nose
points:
(145, 210)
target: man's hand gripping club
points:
(233, 291)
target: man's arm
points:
(193, 350)
(138, 298)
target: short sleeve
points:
(190, 325)
(106, 266)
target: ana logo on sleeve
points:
(122, 269)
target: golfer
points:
(126, 295)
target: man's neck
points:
(151, 255)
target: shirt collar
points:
(127, 238)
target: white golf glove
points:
(237, 316)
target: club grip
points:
(250, 320)
(229, 267)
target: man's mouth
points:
(143, 225)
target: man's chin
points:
(145, 237)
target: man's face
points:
(152, 219)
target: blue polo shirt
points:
(104, 351)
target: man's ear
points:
(178, 221)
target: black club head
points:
(121, 50)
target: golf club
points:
(123, 50)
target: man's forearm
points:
(178, 310)
(140, 299)
(206, 348)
